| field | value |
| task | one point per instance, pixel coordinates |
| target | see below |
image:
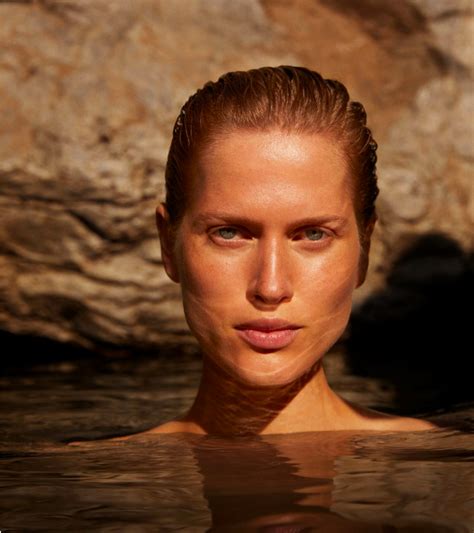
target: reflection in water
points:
(335, 481)
(321, 481)
(329, 481)
(252, 481)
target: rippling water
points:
(328, 481)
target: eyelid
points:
(243, 231)
(325, 232)
(214, 231)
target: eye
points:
(230, 235)
(227, 233)
(311, 234)
(314, 234)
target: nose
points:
(270, 282)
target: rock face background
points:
(89, 90)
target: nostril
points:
(272, 295)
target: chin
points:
(266, 369)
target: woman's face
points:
(267, 253)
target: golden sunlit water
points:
(315, 481)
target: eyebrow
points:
(231, 219)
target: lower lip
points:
(268, 340)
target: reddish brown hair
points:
(293, 99)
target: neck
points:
(224, 406)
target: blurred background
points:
(89, 91)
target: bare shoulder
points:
(173, 426)
(372, 419)
(385, 422)
(409, 424)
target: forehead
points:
(274, 169)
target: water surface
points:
(318, 481)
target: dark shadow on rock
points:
(22, 353)
(416, 333)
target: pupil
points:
(314, 234)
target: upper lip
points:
(267, 324)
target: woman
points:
(270, 206)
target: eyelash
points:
(216, 231)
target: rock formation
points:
(89, 91)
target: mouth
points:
(268, 334)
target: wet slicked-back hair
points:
(287, 98)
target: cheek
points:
(214, 285)
(204, 275)
(333, 280)
(210, 288)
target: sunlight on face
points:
(269, 232)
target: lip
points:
(267, 324)
(268, 334)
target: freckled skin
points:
(273, 180)
(242, 253)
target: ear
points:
(166, 242)
(364, 253)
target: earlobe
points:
(166, 242)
